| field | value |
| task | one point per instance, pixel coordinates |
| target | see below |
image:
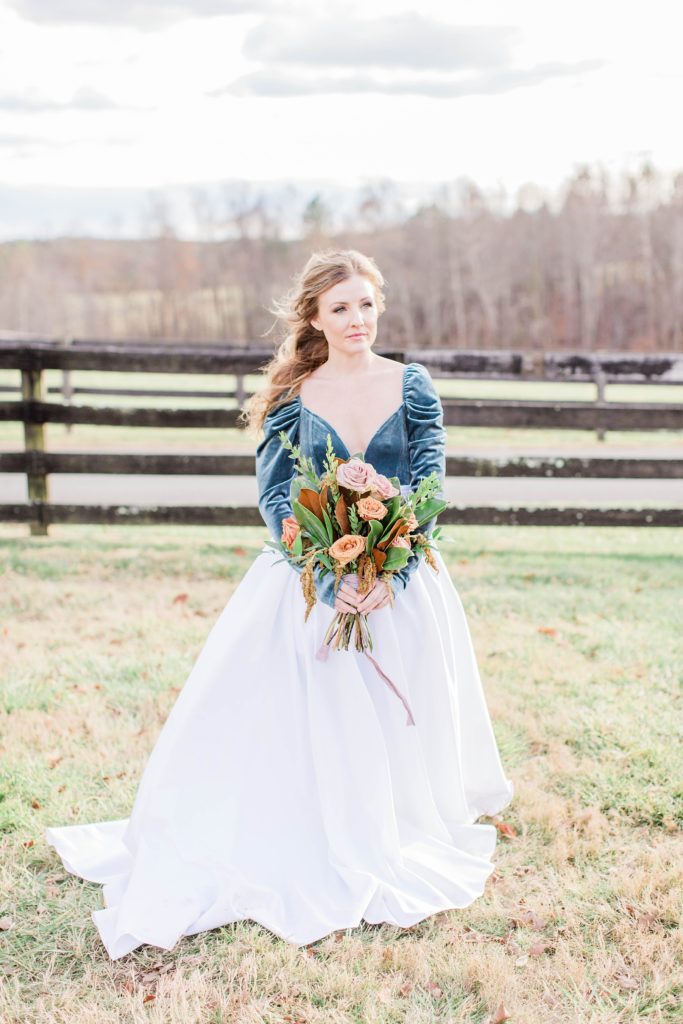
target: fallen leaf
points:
(434, 989)
(505, 828)
(548, 630)
(530, 919)
(180, 598)
(5, 924)
(539, 948)
(239, 551)
(627, 982)
(500, 1015)
(36, 805)
(406, 988)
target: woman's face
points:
(347, 315)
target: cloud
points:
(85, 99)
(21, 144)
(136, 13)
(406, 41)
(283, 84)
(401, 54)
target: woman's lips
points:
(359, 335)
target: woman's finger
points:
(375, 598)
(370, 600)
(349, 594)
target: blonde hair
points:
(305, 348)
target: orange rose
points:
(290, 531)
(371, 508)
(348, 547)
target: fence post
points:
(33, 390)
(67, 386)
(239, 389)
(599, 378)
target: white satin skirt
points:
(291, 791)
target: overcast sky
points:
(150, 93)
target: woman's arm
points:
(274, 474)
(426, 448)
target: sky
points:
(102, 101)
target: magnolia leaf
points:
(294, 489)
(311, 523)
(328, 525)
(374, 532)
(388, 537)
(426, 510)
(311, 500)
(342, 514)
(396, 558)
(380, 558)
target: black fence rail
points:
(35, 356)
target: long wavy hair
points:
(304, 348)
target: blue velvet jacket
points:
(410, 444)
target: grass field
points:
(578, 637)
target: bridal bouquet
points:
(353, 519)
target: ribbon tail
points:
(392, 686)
(323, 652)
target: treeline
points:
(586, 273)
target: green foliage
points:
(302, 463)
(311, 524)
(374, 533)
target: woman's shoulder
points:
(418, 385)
(283, 415)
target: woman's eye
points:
(340, 308)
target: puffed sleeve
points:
(274, 473)
(426, 447)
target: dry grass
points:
(579, 643)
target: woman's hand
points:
(347, 595)
(377, 597)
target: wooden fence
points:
(33, 357)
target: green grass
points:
(578, 638)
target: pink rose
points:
(383, 488)
(290, 531)
(400, 542)
(356, 475)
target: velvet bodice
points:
(409, 444)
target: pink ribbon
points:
(322, 655)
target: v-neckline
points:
(380, 428)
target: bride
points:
(285, 789)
